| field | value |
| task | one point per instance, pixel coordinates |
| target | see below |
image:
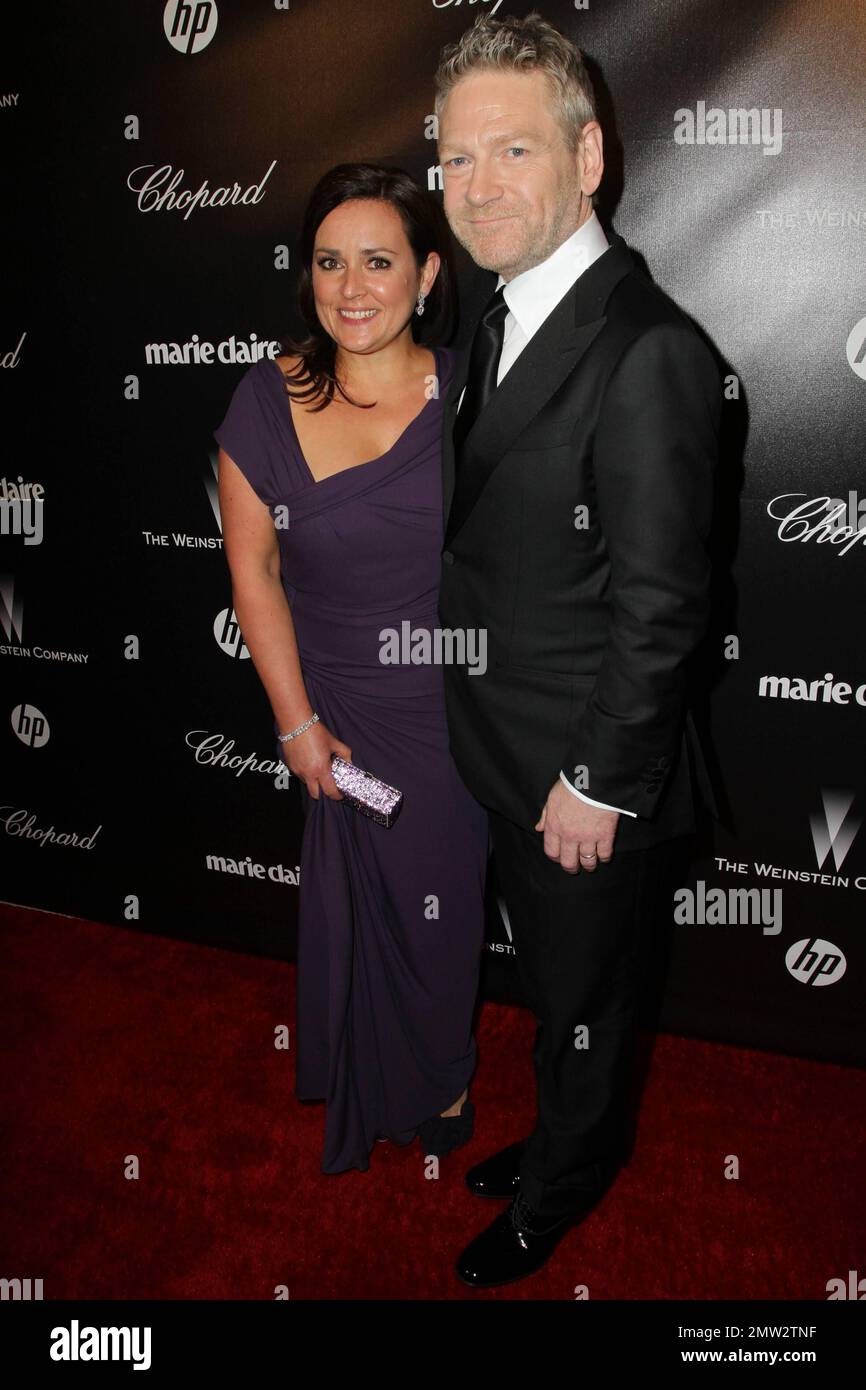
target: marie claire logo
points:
(12, 490)
(736, 126)
(201, 353)
(826, 690)
(249, 868)
(215, 750)
(796, 521)
(815, 962)
(157, 191)
(190, 24)
(855, 349)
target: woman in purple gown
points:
(331, 499)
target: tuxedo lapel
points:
(550, 356)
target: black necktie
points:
(483, 361)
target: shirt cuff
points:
(588, 799)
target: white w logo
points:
(506, 920)
(834, 832)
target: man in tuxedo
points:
(578, 491)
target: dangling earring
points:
(419, 307)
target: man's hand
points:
(576, 834)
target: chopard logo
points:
(158, 191)
(445, 4)
(795, 522)
(215, 750)
(22, 825)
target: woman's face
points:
(365, 277)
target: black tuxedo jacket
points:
(576, 526)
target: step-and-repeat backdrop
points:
(156, 161)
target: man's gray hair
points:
(522, 45)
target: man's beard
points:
(475, 245)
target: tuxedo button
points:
(447, 557)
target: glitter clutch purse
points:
(368, 794)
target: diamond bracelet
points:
(300, 729)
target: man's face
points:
(513, 189)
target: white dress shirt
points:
(531, 297)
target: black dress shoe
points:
(498, 1176)
(513, 1246)
(442, 1133)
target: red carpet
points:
(118, 1044)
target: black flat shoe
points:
(499, 1175)
(512, 1246)
(442, 1133)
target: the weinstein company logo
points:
(855, 349)
(184, 540)
(157, 191)
(190, 24)
(834, 830)
(12, 629)
(211, 484)
(11, 609)
(505, 948)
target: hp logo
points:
(228, 634)
(190, 24)
(815, 962)
(30, 725)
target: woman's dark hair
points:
(426, 229)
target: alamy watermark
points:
(439, 646)
(729, 907)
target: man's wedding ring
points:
(589, 856)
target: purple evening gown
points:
(387, 979)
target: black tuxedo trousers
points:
(582, 945)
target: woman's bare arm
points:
(265, 619)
